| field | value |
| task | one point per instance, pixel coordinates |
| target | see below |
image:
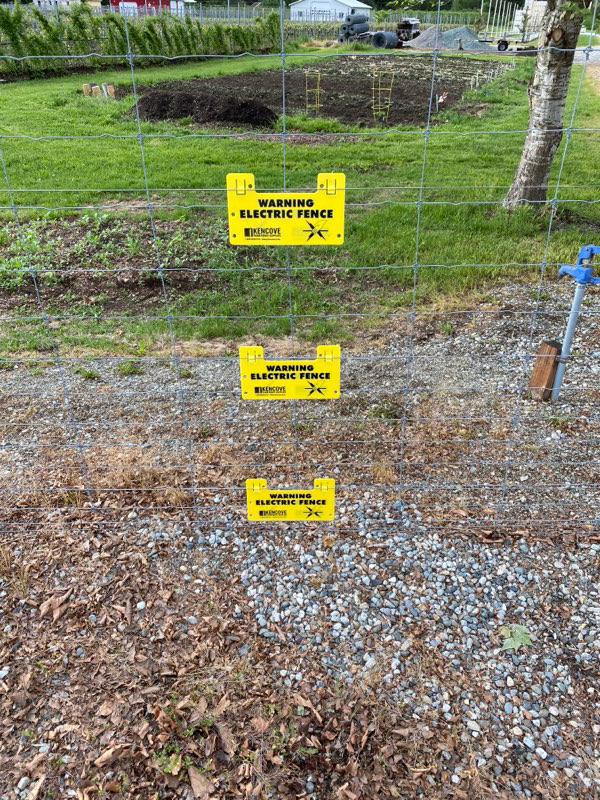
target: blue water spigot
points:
(583, 272)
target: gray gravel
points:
(489, 516)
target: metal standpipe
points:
(583, 273)
(568, 340)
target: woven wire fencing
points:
(436, 419)
(126, 443)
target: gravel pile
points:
(435, 38)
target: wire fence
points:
(234, 12)
(157, 641)
(434, 418)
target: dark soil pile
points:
(161, 104)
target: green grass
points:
(584, 40)
(462, 229)
(129, 368)
(88, 374)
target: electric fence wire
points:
(411, 317)
(512, 441)
(180, 391)
(77, 438)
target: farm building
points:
(334, 10)
(133, 7)
(529, 18)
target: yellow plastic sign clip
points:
(286, 218)
(307, 379)
(285, 505)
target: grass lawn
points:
(466, 243)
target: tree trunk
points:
(547, 99)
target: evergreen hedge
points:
(27, 33)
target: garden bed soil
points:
(346, 91)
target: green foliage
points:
(465, 5)
(168, 758)
(76, 32)
(88, 374)
(403, 6)
(25, 256)
(184, 372)
(128, 368)
(515, 636)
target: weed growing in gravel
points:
(128, 368)
(515, 636)
(383, 472)
(88, 374)
(185, 372)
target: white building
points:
(327, 10)
(528, 19)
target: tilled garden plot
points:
(346, 85)
(156, 644)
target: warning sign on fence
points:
(301, 379)
(312, 505)
(286, 218)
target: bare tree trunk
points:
(547, 99)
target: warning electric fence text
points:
(286, 218)
(317, 504)
(310, 379)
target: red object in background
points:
(116, 4)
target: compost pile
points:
(436, 38)
(163, 104)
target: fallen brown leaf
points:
(301, 701)
(36, 788)
(54, 604)
(202, 787)
(110, 755)
(106, 708)
(227, 740)
(222, 705)
(259, 724)
(199, 711)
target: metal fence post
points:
(583, 273)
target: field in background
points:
(158, 645)
(91, 257)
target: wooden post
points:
(87, 90)
(544, 370)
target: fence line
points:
(234, 12)
(417, 368)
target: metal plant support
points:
(382, 85)
(313, 92)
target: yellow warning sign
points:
(311, 505)
(280, 218)
(300, 379)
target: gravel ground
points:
(460, 510)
